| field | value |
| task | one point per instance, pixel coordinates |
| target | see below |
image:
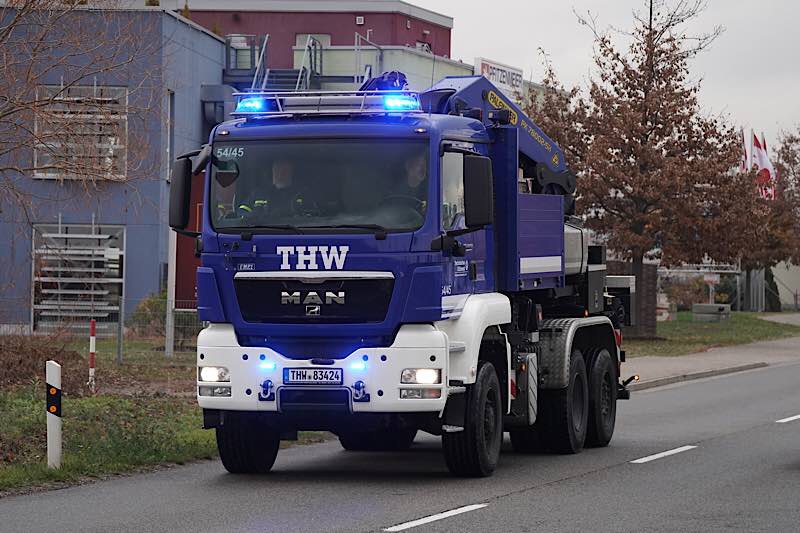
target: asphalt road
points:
(732, 466)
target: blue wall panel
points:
(187, 58)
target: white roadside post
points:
(53, 381)
(92, 346)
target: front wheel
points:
(474, 452)
(246, 445)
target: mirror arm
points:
(187, 233)
(463, 231)
(447, 241)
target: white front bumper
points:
(416, 346)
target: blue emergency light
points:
(400, 102)
(251, 105)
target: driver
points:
(413, 182)
(285, 198)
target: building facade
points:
(97, 246)
(332, 22)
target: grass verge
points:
(682, 336)
(103, 435)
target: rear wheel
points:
(563, 414)
(602, 400)
(474, 452)
(378, 441)
(246, 445)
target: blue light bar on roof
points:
(251, 104)
(400, 102)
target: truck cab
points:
(370, 267)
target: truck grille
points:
(332, 301)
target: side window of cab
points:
(452, 209)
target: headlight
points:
(214, 373)
(421, 376)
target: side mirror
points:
(180, 194)
(478, 191)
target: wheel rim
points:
(578, 401)
(490, 418)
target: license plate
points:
(312, 376)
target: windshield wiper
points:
(248, 231)
(380, 231)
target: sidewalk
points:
(783, 318)
(655, 371)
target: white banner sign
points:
(507, 79)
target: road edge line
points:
(669, 380)
(436, 517)
(661, 455)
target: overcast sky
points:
(751, 73)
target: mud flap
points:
(455, 410)
(533, 386)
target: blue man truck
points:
(379, 262)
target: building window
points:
(81, 133)
(77, 276)
(452, 191)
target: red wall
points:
(282, 27)
(187, 263)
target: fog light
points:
(214, 373)
(209, 390)
(420, 394)
(422, 376)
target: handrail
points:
(358, 40)
(307, 50)
(261, 62)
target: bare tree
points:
(79, 84)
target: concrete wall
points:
(787, 278)
(422, 69)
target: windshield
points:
(379, 184)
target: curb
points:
(660, 382)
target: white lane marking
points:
(434, 518)
(790, 419)
(663, 454)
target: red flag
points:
(765, 172)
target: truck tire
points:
(563, 414)
(475, 451)
(378, 441)
(602, 400)
(247, 448)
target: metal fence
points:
(143, 329)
